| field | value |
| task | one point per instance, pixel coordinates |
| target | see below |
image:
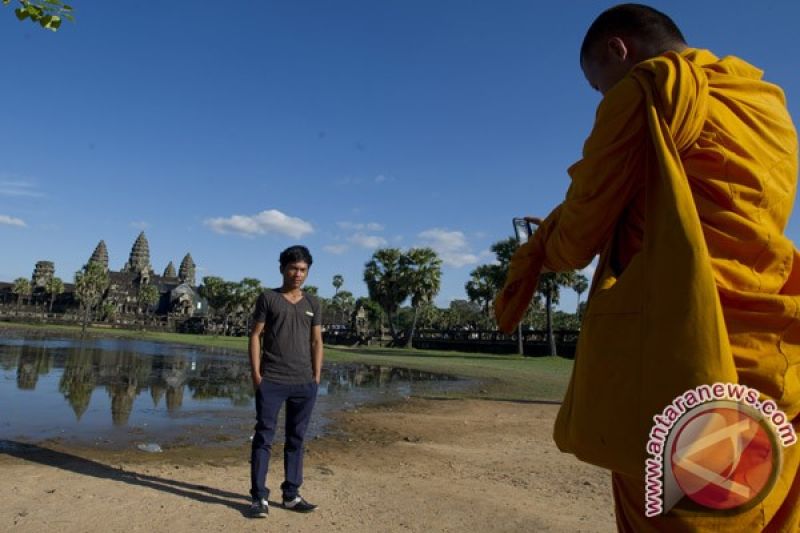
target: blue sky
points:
(233, 130)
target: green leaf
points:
(34, 12)
(51, 22)
(21, 13)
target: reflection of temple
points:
(126, 374)
(123, 372)
(33, 361)
(78, 380)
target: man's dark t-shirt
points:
(286, 345)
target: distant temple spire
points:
(139, 261)
(169, 272)
(100, 255)
(186, 271)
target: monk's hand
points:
(521, 281)
(537, 222)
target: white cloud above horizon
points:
(6, 220)
(270, 221)
(19, 188)
(369, 226)
(452, 246)
(336, 249)
(367, 241)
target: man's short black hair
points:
(295, 254)
(633, 20)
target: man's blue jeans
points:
(299, 401)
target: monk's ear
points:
(617, 49)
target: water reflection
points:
(148, 383)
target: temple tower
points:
(186, 271)
(169, 272)
(100, 255)
(139, 261)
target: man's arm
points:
(255, 352)
(316, 352)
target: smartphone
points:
(522, 229)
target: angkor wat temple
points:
(177, 291)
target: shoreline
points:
(483, 460)
(416, 465)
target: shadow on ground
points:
(87, 467)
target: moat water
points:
(117, 393)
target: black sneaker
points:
(259, 508)
(299, 505)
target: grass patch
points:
(506, 377)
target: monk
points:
(684, 190)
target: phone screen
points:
(522, 229)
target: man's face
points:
(606, 65)
(294, 274)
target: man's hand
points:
(255, 353)
(316, 379)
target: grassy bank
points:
(501, 376)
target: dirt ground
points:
(421, 465)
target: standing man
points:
(286, 369)
(685, 188)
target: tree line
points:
(401, 286)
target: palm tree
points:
(247, 293)
(91, 283)
(549, 284)
(54, 286)
(423, 276)
(343, 302)
(216, 291)
(338, 281)
(147, 296)
(580, 285)
(22, 288)
(482, 286)
(383, 275)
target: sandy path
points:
(423, 465)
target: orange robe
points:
(685, 187)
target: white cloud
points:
(140, 224)
(370, 226)
(12, 221)
(367, 241)
(451, 246)
(269, 221)
(19, 188)
(336, 249)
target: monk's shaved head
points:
(655, 30)
(623, 36)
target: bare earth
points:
(422, 465)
